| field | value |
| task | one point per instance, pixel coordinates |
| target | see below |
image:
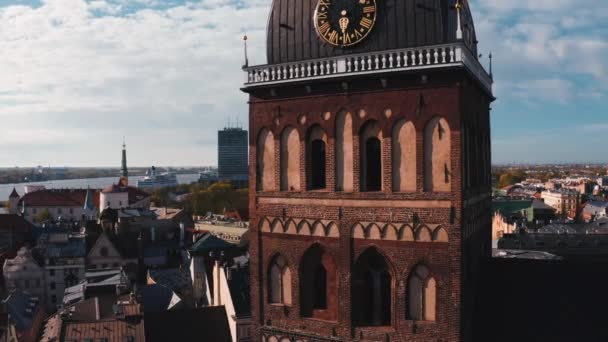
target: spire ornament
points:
(458, 7)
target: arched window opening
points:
(320, 298)
(371, 157)
(317, 285)
(373, 165)
(290, 160)
(437, 156)
(280, 282)
(265, 161)
(372, 291)
(316, 159)
(422, 295)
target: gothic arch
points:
(440, 235)
(374, 232)
(318, 284)
(290, 160)
(290, 227)
(277, 226)
(421, 295)
(370, 166)
(358, 231)
(265, 161)
(279, 284)
(344, 152)
(318, 229)
(390, 233)
(264, 226)
(404, 156)
(406, 233)
(332, 230)
(304, 228)
(423, 234)
(372, 293)
(437, 156)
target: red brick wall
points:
(450, 101)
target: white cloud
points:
(70, 66)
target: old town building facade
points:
(371, 165)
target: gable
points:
(104, 248)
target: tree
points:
(43, 216)
(509, 178)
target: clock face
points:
(345, 22)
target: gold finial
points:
(245, 37)
(458, 5)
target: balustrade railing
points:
(373, 62)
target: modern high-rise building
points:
(370, 162)
(232, 157)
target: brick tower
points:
(370, 172)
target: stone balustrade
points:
(420, 58)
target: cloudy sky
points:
(76, 76)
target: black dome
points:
(400, 24)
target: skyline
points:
(76, 84)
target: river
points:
(93, 183)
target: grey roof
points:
(210, 242)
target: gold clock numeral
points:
(358, 35)
(346, 38)
(333, 37)
(367, 23)
(323, 29)
(369, 9)
(322, 16)
(324, 3)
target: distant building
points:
(565, 201)
(566, 240)
(120, 196)
(24, 273)
(233, 147)
(67, 204)
(220, 275)
(64, 255)
(25, 316)
(594, 210)
(510, 214)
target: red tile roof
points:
(58, 198)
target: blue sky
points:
(79, 75)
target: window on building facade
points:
(371, 157)
(372, 290)
(280, 282)
(52, 285)
(404, 156)
(421, 295)
(317, 284)
(316, 158)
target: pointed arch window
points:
(371, 157)
(372, 290)
(280, 282)
(422, 295)
(316, 156)
(317, 285)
